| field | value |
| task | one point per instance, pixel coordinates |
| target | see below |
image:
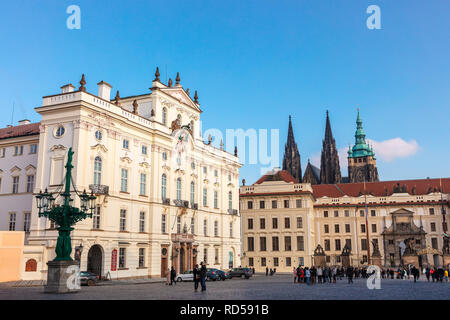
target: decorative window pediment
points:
(126, 159)
(15, 169)
(99, 148)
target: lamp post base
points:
(63, 277)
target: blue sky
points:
(254, 63)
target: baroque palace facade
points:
(285, 216)
(164, 196)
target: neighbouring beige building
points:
(333, 215)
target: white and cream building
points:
(164, 196)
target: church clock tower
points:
(362, 165)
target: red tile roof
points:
(382, 188)
(281, 175)
(20, 131)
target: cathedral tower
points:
(362, 165)
(330, 171)
(291, 159)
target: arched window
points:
(164, 116)
(97, 170)
(163, 186)
(230, 200)
(179, 189)
(192, 192)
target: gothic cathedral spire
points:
(330, 171)
(291, 159)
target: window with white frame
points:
(179, 189)
(12, 221)
(97, 170)
(125, 144)
(2, 152)
(216, 200)
(142, 221)
(15, 185)
(192, 192)
(216, 228)
(230, 200)
(124, 180)
(141, 257)
(193, 225)
(231, 229)
(96, 218)
(205, 197)
(178, 224)
(205, 227)
(26, 221)
(163, 186)
(143, 184)
(123, 220)
(163, 223)
(30, 183)
(18, 150)
(144, 150)
(33, 148)
(205, 255)
(122, 257)
(164, 116)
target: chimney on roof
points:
(24, 121)
(104, 90)
(67, 88)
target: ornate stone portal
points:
(345, 256)
(319, 257)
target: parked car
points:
(186, 276)
(241, 272)
(223, 275)
(88, 278)
(212, 274)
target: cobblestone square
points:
(259, 287)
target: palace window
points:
(163, 186)
(205, 197)
(327, 246)
(325, 214)
(287, 223)
(263, 262)
(250, 204)
(163, 223)
(12, 221)
(123, 220)
(326, 228)
(164, 116)
(262, 223)
(275, 262)
(125, 144)
(274, 204)
(192, 192)
(298, 203)
(374, 228)
(141, 257)
(262, 204)
(231, 229)
(287, 243)
(179, 189)
(363, 228)
(96, 218)
(122, 253)
(15, 185)
(33, 149)
(143, 184)
(348, 243)
(144, 150)
(205, 255)
(98, 170)
(205, 227)
(250, 224)
(364, 244)
(26, 221)
(286, 203)
(274, 223)
(216, 256)
(433, 226)
(262, 244)
(216, 200)
(30, 183)
(216, 228)
(300, 243)
(336, 228)
(299, 222)
(336, 213)
(98, 135)
(347, 228)
(250, 262)
(251, 244)
(337, 243)
(230, 200)
(59, 132)
(434, 243)
(142, 221)
(275, 244)
(431, 210)
(124, 181)
(193, 225)
(347, 213)
(372, 213)
(178, 224)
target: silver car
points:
(186, 276)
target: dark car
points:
(240, 273)
(212, 274)
(223, 275)
(88, 278)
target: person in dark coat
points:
(196, 274)
(350, 274)
(203, 276)
(267, 271)
(173, 275)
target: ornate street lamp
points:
(65, 215)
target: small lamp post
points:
(65, 215)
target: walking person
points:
(334, 274)
(294, 273)
(350, 274)
(167, 276)
(267, 271)
(319, 274)
(173, 275)
(203, 276)
(307, 276)
(196, 274)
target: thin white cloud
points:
(395, 148)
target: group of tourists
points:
(331, 274)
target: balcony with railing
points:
(181, 203)
(99, 189)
